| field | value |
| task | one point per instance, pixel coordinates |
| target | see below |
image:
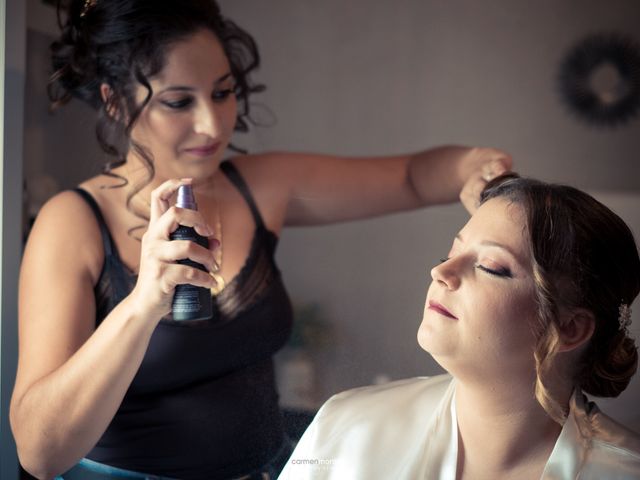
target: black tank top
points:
(203, 404)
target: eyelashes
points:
(178, 104)
(501, 272)
(223, 94)
(218, 96)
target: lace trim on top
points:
(242, 292)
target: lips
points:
(204, 150)
(436, 307)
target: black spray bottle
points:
(190, 302)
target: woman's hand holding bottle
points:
(159, 273)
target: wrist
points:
(465, 166)
(141, 309)
(437, 175)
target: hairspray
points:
(190, 302)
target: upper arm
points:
(327, 189)
(56, 305)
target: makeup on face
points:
(437, 307)
(204, 150)
(190, 119)
(482, 294)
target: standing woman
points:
(107, 382)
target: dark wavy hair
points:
(584, 256)
(123, 43)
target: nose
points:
(208, 120)
(446, 274)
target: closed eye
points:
(178, 104)
(502, 272)
(222, 95)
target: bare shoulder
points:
(67, 226)
(66, 214)
(270, 181)
(61, 263)
(272, 167)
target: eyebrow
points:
(185, 88)
(491, 243)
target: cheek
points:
(158, 128)
(171, 126)
(230, 113)
(513, 322)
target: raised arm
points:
(328, 189)
(71, 376)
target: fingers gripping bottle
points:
(190, 302)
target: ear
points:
(105, 93)
(576, 329)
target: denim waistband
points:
(87, 469)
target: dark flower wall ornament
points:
(599, 79)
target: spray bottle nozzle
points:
(186, 199)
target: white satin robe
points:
(408, 430)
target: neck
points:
(137, 175)
(522, 435)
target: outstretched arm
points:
(329, 189)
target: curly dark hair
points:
(584, 256)
(123, 43)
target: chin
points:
(427, 339)
(200, 172)
(435, 343)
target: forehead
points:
(196, 58)
(501, 221)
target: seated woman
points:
(529, 310)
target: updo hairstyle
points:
(584, 256)
(123, 43)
